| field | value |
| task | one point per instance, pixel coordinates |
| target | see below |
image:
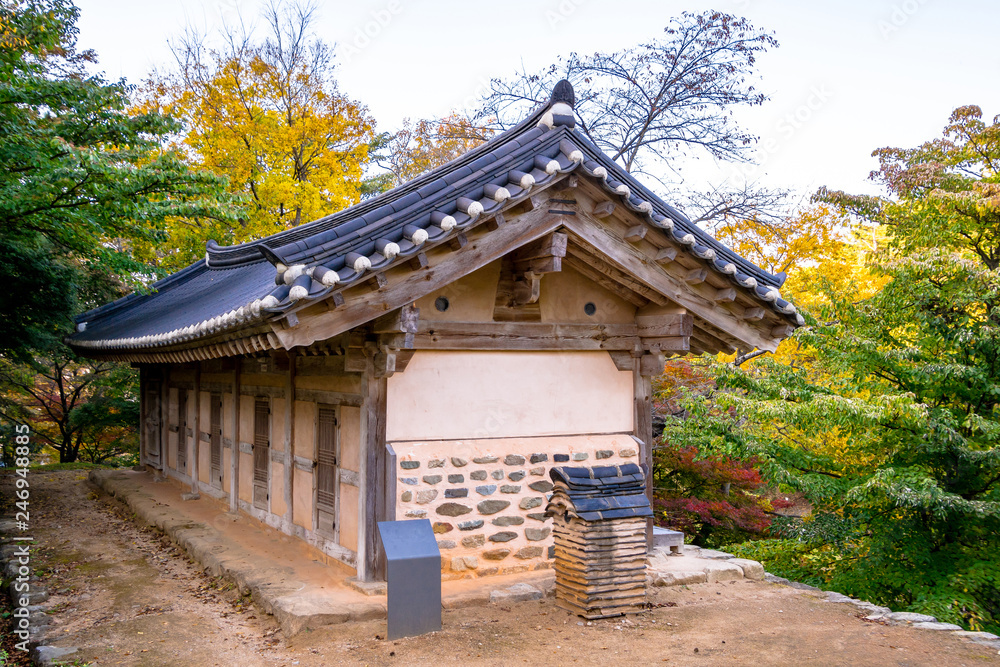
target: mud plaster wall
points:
(486, 498)
(454, 395)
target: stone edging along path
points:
(669, 570)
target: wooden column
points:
(371, 563)
(289, 467)
(164, 422)
(143, 414)
(196, 436)
(643, 430)
(234, 457)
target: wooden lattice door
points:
(215, 438)
(261, 452)
(326, 472)
(182, 441)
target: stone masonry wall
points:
(486, 498)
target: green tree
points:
(892, 430)
(77, 409)
(264, 110)
(83, 183)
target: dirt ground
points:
(125, 595)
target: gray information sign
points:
(413, 577)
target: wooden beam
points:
(621, 277)
(603, 209)
(615, 288)
(672, 324)
(539, 266)
(408, 286)
(524, 336)
(667, 343)
(634, 262)
(402, 320)
(636, 234)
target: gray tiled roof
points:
(600, 493)
(239, 286)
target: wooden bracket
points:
(291, 321)
(651, 364)
(334, 301)
(636, 234)
(782, 331)
(753, 314)
(726, 295)
(496, 222)
(459, 241)
(603, 209)
(378, 282)
(419, 261)
(528, 290)
(665, 255)
(695, 276)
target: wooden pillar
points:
(164, 421)
(143, 414)
(643, 430)
(371, 563)
(196, 434)
(289, 468)
(234, 458)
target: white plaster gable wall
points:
(446, 395)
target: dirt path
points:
(126, 596)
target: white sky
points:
(857, 74)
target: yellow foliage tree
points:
(267, 114)
(425, 144)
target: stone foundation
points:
(485, 498)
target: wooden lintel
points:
(753, 314)
(726, 295)
(636, 234)
(459, 241)
(419, 261)
(603, 209)
(667, 343)
(665, 255)
(674, 324)
(525, 336)
(378, 282)
(782, 331)
(695, 276)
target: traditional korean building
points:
(433, 351)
